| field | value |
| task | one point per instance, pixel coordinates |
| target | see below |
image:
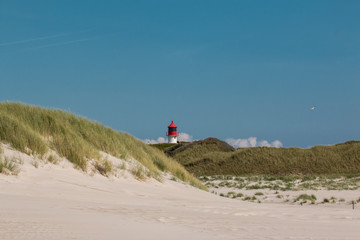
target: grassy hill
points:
(38, 131)
(214, 157)
(186, 152)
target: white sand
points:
(59, 202)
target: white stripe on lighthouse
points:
(172, 139)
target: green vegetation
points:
(281, 183)
(185, 153)
(139, 172)
(214, 157)
(163, 146)
(274, 188)
(8, 166)
(241, 196)
(53, 159)
(104, 167)
(305, 197)
(34, 130)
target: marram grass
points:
(36, 131)
(202, 158)
(8, 166)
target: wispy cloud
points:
(31, 40)
(252, 142)
(183, 137)
(50, 40)
(235, 142)
(156, 141)
(63, 43)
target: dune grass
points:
(202, 158)
(186, 152)
(8, 166)
(283, 183)
(35, 130)
(163, 146)
(306, 197)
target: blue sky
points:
(225, 69)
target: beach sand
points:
(59, 202)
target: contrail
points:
(31, 40)
(63, 43)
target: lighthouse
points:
(172, 133)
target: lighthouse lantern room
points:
(172, 133)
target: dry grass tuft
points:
(53, 159)
(8, 166)
(104, 167)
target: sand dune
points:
(60, 202)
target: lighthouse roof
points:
(172, 125)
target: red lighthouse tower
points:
(172, 133)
